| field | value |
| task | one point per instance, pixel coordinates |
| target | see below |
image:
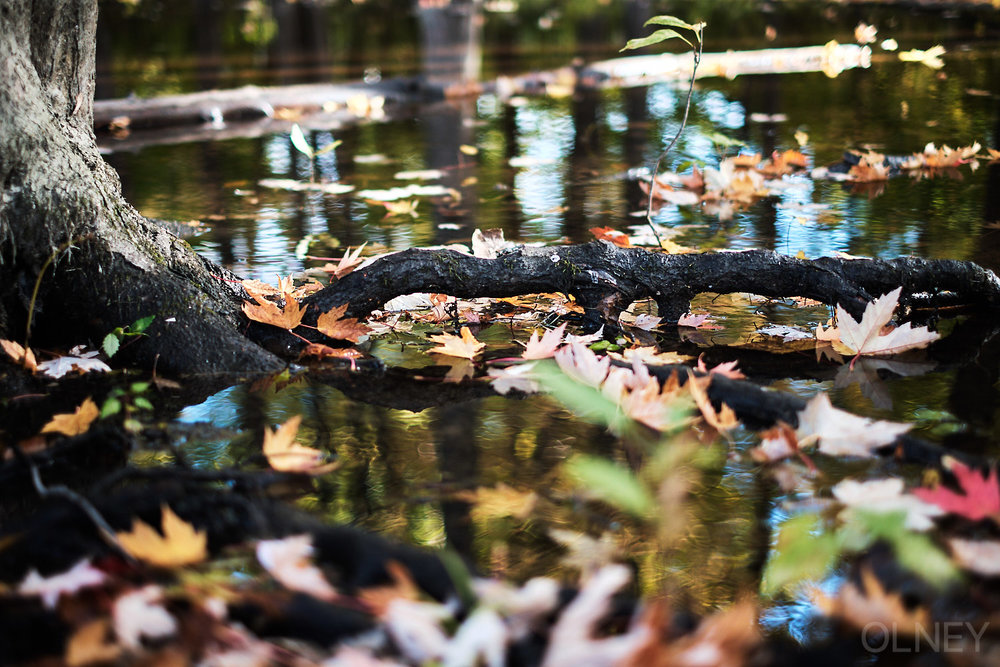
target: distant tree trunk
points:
(62, 213)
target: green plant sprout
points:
(128, 400)
(112, 342)
(696, 42)
(302, 145)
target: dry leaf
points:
(614, 236)
(89, 645)
(179, 545)
(141, 614)
(21, 355)
(500, 501)
(886, 495)
(546, 347)
(286, 455)
(268, 313)
(402, 588)
(871, 603)
(82, 575)
(841, 433)
(721, 420)
(979, 556)
(289, 560)
(347, 263)
(76, 423)
(867, 337)
(465, 346)
(518, 377)
(335, 325)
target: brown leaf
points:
(335, 325)
(465, 346)
(20, 355)
(89, 645)
(620, 239)
(321, 351)
(179, 545)
(871, 603)
(286, 455)
(721, 420)
(76, 423)
(268, 313)
(500, 501)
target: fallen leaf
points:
(80, 576)
(321, 351)
(488, 243)
(867, 337)
(610, 235)
(886, 495)
(269, 313)
(400, 207)
(721, 420)
(347, 263)
(646, 322)
(179, 545)
(333, 324)
(517, 377)
(692, 320)
(776, 443)
(289, 560)
(465, 346)
(89, 645)
(83, 363)
(841, 433)
(979, 556)
(726, 369)
(286, 455)
(140, 614)
(872, 604)
(580, 363)
(21, 355)
(980, 496)
(76, 423)
(546, 347)
(499, 501)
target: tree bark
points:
(62, 215)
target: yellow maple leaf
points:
(76, 423)
(286, 455)
(180, 544)
(21, 355)
(335, 325)
(465, 346)
(268, 313)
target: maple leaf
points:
(289, 560)
(841, 433)
(21, 355)
(980, 495)
(347, 263)
(692, 320)
(333, 324)
(546, 347)
(179, 545)
(871, 603)
(722, 419)
(620, 239)
(321, 351)
(76, 423)
(646, 322)
(518, 377)
(465, 346)
(286, 455)
(141, 614)
(884, 496)
(580, 363)
(726, 369)
(89, 645)
(866, 337)
(269, 313)
(83, 362)
(82, 575)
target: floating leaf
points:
(546, 346)
(465, 346)
(867, 337)
(76, 423)
(289, 560)
(179, 545)
(286, 455)
(980, 496)
(49, 589)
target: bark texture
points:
(62, 213)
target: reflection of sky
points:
(723, 113)
(545, 136)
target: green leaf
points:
(138, 387)
(720, 139)
(583, 400)
(803, 552)
(915, 551)
(612, 483)
(460, 577)
(329, 147)
(657, 37)
(141, 324)
(142, 403)
(675, 22)
(110, 344)
(111, 406)
(300, 143)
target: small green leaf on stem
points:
(141, 324)
(111, 343)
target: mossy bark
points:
(62, 214)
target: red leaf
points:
(980, 497)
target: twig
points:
(696, 53)
(104, 529)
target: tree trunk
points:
(62, 215)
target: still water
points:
(547, 169)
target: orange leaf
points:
(465, 346)
(21, 355)
(76, 423)
(179, 545)
(620, 239)
(721, 420)
(321, 351)
(268, 313)
(335, 325)
(286, 455)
